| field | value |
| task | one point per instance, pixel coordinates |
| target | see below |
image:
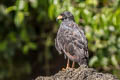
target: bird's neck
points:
(67, 23)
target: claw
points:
(67, 67)
(64, 69)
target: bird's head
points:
(66, 15)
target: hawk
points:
(71, 40)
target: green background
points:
(28, 29)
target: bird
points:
(71, 40)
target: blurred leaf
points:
(19, 18)
(48, 41)
(12, 37)
(3, 45)
(24, 35)
(104, 61)
(20, 4)
(9, 9)
(51, 11)
(32, 45)
(93, 60)
(34, 3)
(114, 61)
(112, 49)
(29, 46)
(25, 49)
(92, 2)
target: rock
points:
(81, 73)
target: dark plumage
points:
(71, 39)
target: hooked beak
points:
(59, 17)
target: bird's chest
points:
(65, 36)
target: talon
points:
(63, 69)
(67, 67)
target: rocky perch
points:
(81, 73)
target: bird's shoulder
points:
(71, 28)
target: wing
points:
(57, 46)
(81, 46)
(75, 44)
(58, 41)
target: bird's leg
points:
(73, 64)
(68, 64)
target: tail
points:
(84, 59)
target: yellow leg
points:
(73, 64)
(68, 64)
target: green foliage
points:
(20, 21)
